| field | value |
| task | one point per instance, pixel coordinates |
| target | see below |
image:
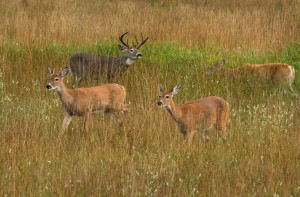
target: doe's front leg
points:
(189, 137)
(65, 124)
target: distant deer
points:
(279, 73)
(85, 65)
(84, 101)
(200, 115)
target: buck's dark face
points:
(134, 53)
(131, 53)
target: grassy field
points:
(148, 158)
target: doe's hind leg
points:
(222, 122)
(114, 117)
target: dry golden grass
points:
(148, 158)
(263, 25)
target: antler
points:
(121, 39)
(143, 42)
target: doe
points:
(271, 73)
(200, 115)
(109, 98)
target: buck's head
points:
(131, 53)
(56, 80)
(166, 97)
(215, 67)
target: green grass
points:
(147, 158)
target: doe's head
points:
(166, 97)
(215, 67)
(56, 80)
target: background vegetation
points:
(147, 159)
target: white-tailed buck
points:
(85, 65)
(200, 115)
(108, 98)
(279, 73)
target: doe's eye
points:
(56, 79)
(167, 97)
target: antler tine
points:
(121, 39)
(137, 42)
(143, 42)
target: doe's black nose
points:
(48, 86)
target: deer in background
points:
(200, 115)
(85, 65)
(109, 98)
(279, 73)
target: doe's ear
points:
(175, 90)
(50, 71)
(161, 89)
(64, 72)
(221, 63)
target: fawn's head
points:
(56, 80)
(215, 67)
(166, 97)
(131, 53)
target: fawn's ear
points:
(221, 63)
(175, 90)
(64, 72)
(161, 89)
(50, 71)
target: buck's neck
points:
(175, 111)
(125, 61)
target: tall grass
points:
(147, 158)
(265, 25)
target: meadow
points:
(148, 158)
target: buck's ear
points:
(64, 72)
(122, 48)
(161, 89)
(50, 71)
(175, 90)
